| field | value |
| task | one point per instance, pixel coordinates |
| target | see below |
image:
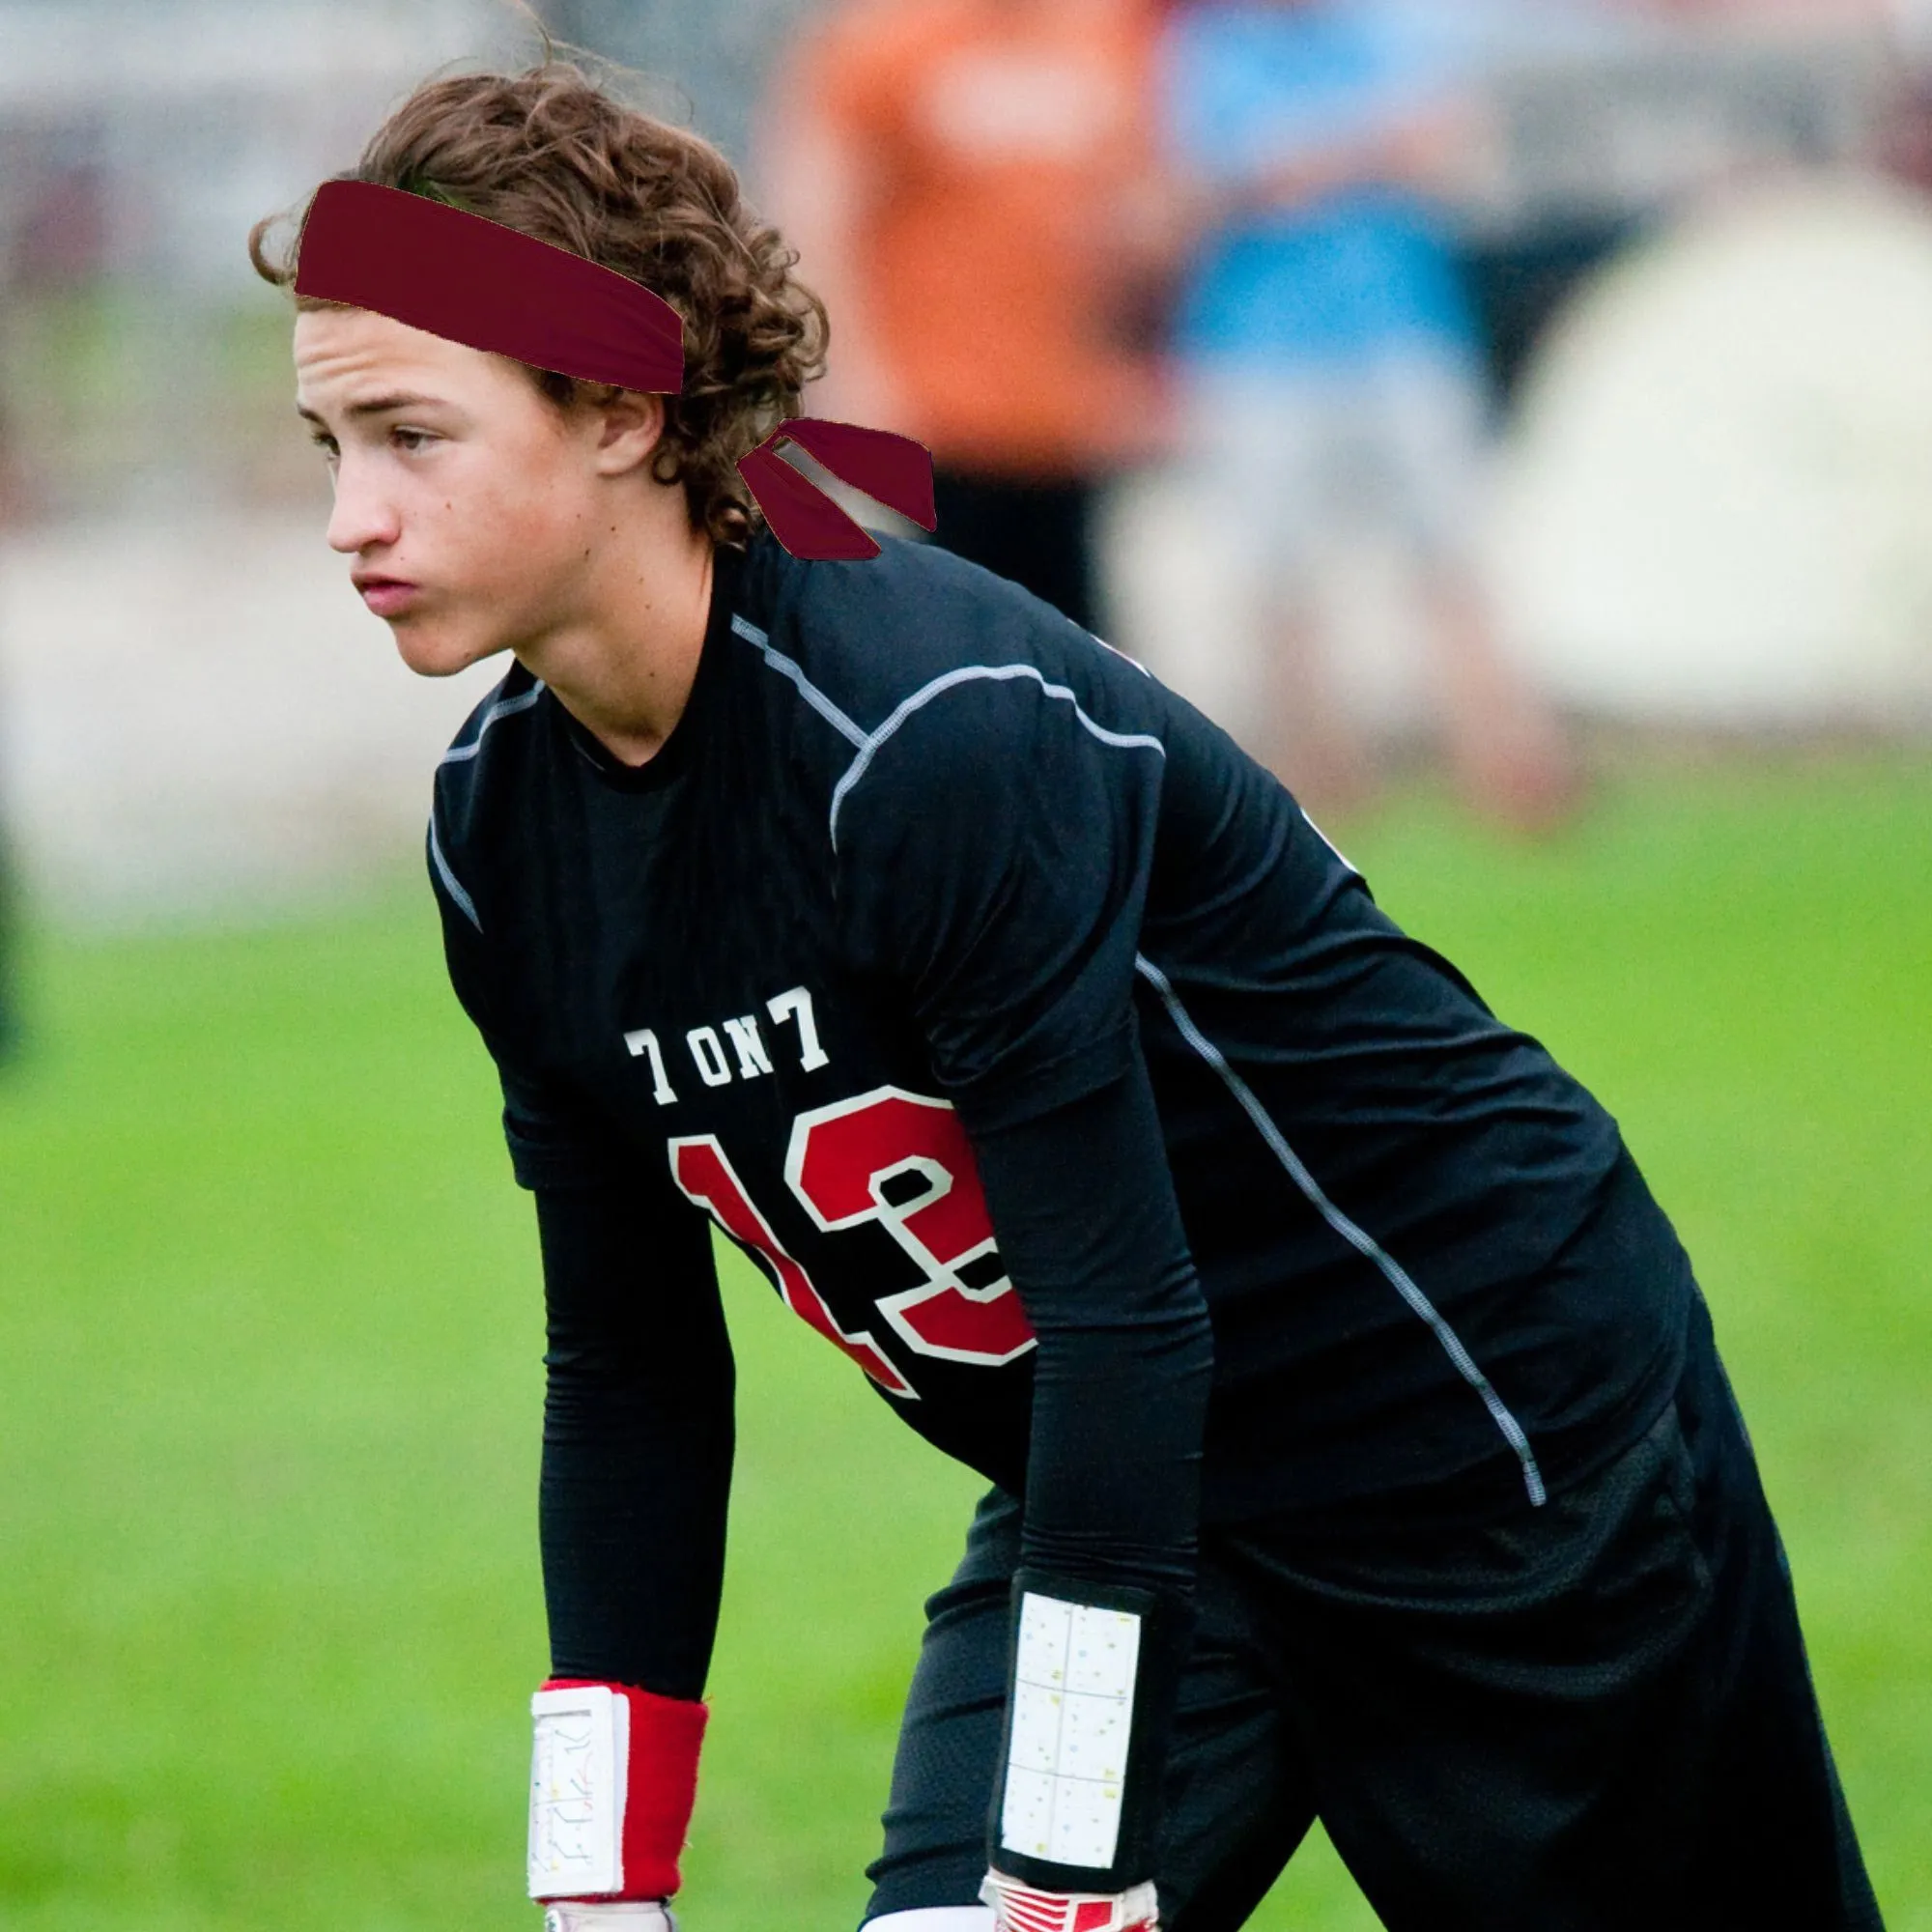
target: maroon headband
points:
(474, 280)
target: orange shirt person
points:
(961, 180)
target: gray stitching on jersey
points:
(1347, 864)
(927, 693)
(1356, 1238)
(510, 708)
(806, 690)
(449, 879)
(1121, 655)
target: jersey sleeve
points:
(637, 1442)
(638, 1434)
(993, 859)
(1084, 1210)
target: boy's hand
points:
(649, 1914)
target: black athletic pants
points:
(1037, 533)
(1596, 1717)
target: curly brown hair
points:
(554, 154)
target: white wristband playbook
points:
(579, 1761)
(1072, 1719)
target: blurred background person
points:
(1333, 379)
(958, 177)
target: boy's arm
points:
(637, 1442)
(635, 1474)
(1430, 148)
(1083, 1202)
(995, 854)
(632, 1502)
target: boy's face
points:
(476, 492)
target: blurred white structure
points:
(1717, 507)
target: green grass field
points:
(270, 1328)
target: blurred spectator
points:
(1331, 370)
(957, 177)
(61, 237)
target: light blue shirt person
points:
(1359, 270)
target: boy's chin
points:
(432, 654)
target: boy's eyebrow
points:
(376, 404)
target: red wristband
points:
(659, 1777)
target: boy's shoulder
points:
(876, 635)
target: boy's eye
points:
(328, 442)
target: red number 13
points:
(900, 1159)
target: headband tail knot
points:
(890, 468)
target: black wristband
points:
(1091, 1678)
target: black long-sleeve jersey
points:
(1051, 1063)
